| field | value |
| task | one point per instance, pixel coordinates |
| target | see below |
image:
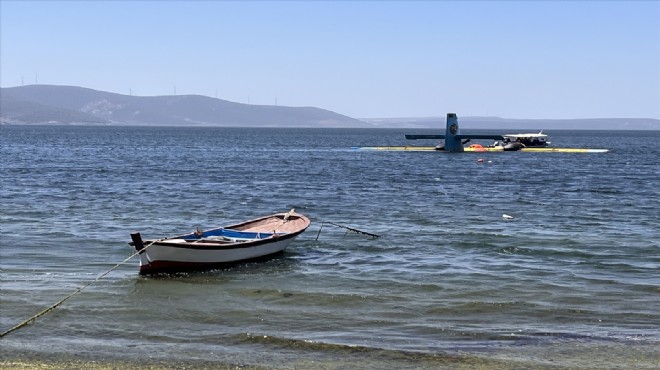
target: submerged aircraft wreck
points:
(454, 142)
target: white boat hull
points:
(221, 247)
(168, 257)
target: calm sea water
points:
(573, 280)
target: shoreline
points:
(575, 355)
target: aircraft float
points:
(455, 142)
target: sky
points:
(364, 59)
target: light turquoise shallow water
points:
(571, 281)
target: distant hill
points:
(498, 123)
(49, 104)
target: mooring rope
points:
(374, 236)
(52, 307)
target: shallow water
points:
(572, 280)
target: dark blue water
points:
(572, 280)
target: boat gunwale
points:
(216, 245)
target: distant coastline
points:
(473, 122)
(73, 105)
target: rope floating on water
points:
(374, 236)
(52, 307)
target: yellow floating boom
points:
(411, 148)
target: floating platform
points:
(412, 148)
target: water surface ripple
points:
(573, 274)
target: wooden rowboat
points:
(252, 240)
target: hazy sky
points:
(519, 59)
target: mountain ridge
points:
(60, 104)
(479, 122)
(73, 104)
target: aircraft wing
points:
(420, 137)
(493, 137)
(460, 137)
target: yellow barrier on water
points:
(482, 149)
